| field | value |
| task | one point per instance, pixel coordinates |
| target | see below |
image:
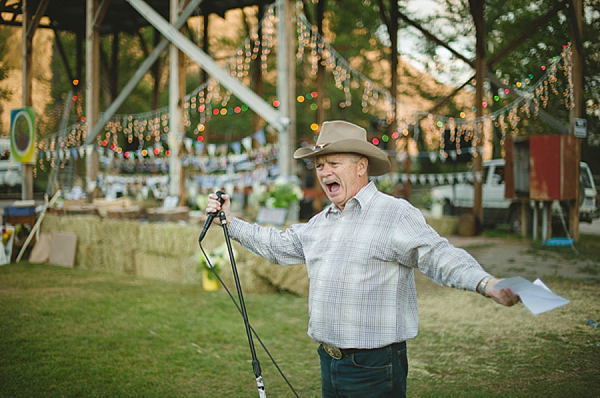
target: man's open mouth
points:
(332, 187)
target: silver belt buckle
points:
(334, 352)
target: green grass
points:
(80, 333)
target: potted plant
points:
(283, 195)
(219, 258)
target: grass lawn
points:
(80, 333)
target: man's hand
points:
(214, 205)
(501, 296)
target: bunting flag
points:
(211, 148)
(468, 135)
(237, 147)
(260, 137)
(247, 143)
(188, 142)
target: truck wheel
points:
(448, 209)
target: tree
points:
(5, 94)
(521, 68)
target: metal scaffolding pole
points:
(176, 132)
(286, 87)
(92, 86)
(256, 103)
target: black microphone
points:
(210, 217)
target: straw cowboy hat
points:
(343, 137)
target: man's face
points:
(341, 176)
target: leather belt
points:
(339, 353)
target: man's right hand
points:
(214, 205)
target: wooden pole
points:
(578, 110)
(92, 88)
(36, 227)
(26, 59)
(320, 114)
(286, 86)
(176, 131)
(477, 10)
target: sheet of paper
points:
(535, 296)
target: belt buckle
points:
(334, 352)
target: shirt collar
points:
(361, 199)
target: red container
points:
(552, 167)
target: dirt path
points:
(507, 257)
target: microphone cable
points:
(251, 328)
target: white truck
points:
(10, 171)
(454, 198)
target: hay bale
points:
(445, 226)
(51, 223)
(293, 279)
(169, 252)
(168, 268)
(259, 274)
(86, 227)
(168, 239)
(90, 256)
(250, 281)
(215, 238)
(120, 234)
(106, 258)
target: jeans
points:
(375, 373)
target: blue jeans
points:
(375, 373)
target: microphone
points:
(210, 217)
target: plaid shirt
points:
(360, 262)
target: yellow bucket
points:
(209, 284)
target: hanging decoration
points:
(145, 131)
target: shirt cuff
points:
(473, 280)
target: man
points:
(360, 253)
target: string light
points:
(147, 127)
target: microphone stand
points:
(255, 364)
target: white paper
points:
(535, 296)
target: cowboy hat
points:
(343, 137)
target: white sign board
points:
(580, 128)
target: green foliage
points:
(506, 21)
(130, 57)
(218, 258)
(280, 195)
(5, 33)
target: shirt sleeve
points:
(420, 246)
(275, 245)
